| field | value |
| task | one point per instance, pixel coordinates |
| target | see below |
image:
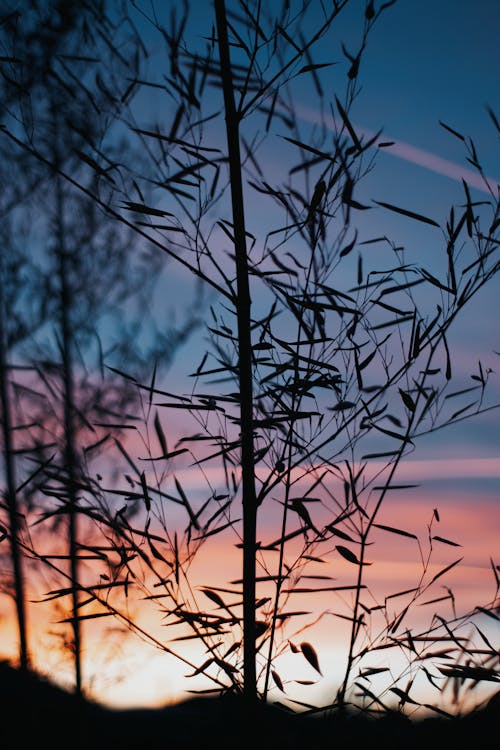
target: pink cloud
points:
(437, 164)
(420, 157)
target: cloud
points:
(419, 156)
(437, 164)
(450, 468)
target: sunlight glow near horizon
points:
(122, 671)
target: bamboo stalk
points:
(69, 432)
(243, 308)
(11, 493)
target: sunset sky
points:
(426, 62)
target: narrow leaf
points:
(348, 555)
(310, 655)
(277, 680)
(446, 541)
(410, 214)
(395, 531)
(445, 570)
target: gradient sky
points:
(426, 61)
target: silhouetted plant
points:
(11, 494)
(21, 315)
(87, 276)
(322, 371)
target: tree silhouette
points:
(85, 272)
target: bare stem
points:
(69, 431)
(12, 502)
(243, 305)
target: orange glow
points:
(123, 670)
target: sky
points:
(426, 62)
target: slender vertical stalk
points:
(11, 493)
(69, 433)
(243, 306)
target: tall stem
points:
(243, 306)
(69, 432)
(12, 502)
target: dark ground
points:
(36, 714)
